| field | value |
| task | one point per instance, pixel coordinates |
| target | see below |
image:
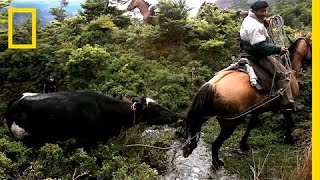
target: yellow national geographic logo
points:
(33, 29)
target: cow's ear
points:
(140, 100)
(143, 100)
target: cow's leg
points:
(244, 140)
(227, 127)
(288, 127)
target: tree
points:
(3, 22)
(4, 3)
(60, 12)
(216, 36)
(84, 65)
(92, 9)
(173, 21)
(3, 13)
(296, 15)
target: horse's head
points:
(301, 51)
(134, 4)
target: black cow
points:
(84, 115)
(49, 84)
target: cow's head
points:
(155, 114)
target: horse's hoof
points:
(244, 147)
(186, 152)
(216, 164)
(288, 140)
(188, 149)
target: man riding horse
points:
(257, 46)
(230, 97)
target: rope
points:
(163, 148)
(133, 108)
(255, 106)
(277, 25)
(252, 108)
(277, 21)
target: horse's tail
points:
(202, 105)
(198, 113)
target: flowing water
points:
(195, 167)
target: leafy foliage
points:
(59, 13)
(84, 64)
(103, 50)
(95, 8)
(296, 14)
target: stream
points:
(195, 167)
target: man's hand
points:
(283, 50)
(266, 22)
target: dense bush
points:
(105, 51)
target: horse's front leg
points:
(244, 140)
(288, 126)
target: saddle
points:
(264, 79)
(259, 78)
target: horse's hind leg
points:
(227, 128)
(244, 140)
(194, 135)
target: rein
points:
(252, 108)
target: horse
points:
(230, 94)
(147, 11)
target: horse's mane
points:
(292, 48)
(147, 3)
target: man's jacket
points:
(255, 39)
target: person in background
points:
(49, 85)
